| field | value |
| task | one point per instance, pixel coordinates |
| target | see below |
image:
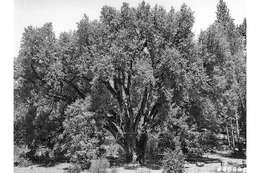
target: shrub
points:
(23, 162)
(152, 148)
(99, 166)
(113, 150)
(74, 169)
(208, 141)
(191, 144)
(43, 154)
(173, 161)
(20, 158)
(83, 139)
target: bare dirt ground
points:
(211, 164)
(59, 168)
(214, 165)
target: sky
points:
(64, 14)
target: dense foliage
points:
(222, 49)
(136, 74)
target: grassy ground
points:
(210, 163)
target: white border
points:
(253, 87)
(6, 90)
(7, 52)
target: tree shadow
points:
(153, 164)
(233, 155)
(120, 162)
(115, 161)
(49, 164)
(205, 160)
(46, 164)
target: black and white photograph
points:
(114, 86)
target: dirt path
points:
(228, 165)
(59, 168)
(213, 167)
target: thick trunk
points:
(128, 120)
(141, 147)
(130, 138)
(135, 148)
(128, 155)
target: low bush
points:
(83, 139)
(20, 158)
(74, 169)
(23, 162)
(191, 144)
(152, 148)
(99, 166)
(208, 141)
(113, 150)
(173, 161)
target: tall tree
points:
(135, 72)
(143, 65)
(224, 60)
(46, 82)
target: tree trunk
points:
(135, 148)
(233, 138)
(141, 147)
(128, 155)
(133, 144)
(239, 144)
(228, 138)
(237, 129)
(130, 147)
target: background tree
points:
(45, 84)
(221, 49)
